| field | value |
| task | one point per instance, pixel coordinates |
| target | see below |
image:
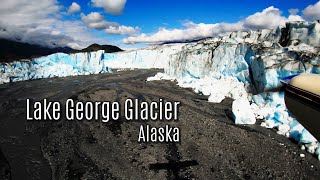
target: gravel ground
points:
(211, 146)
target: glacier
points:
(62, 65)
(258, 60)
(245, 66)
(150, 57)
(55, 65)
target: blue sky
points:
(138, 23)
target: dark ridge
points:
(13, 50)
(185, 41)
(96, 47)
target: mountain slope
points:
(12, 50)
(96, 47)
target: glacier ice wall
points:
(150, 57)
(55, 65)
(259, 60)
(61, 65)
(301, 33)
(256, 58)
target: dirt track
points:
(211, 147)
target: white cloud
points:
(22, 12)
(294, 15)
(312, 12)
(192, 31)
(73, 8)
(295, 18)
(96, 21)
(122, 30)
(111, 6)
(269, 18)
(39, 22)
(293, 11)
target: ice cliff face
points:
(255, 58)
(258, 59)
(151, 57)
(55, 65)
(61, 65)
